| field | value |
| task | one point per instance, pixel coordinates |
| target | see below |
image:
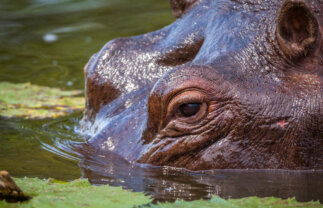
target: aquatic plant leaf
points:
(249, 202)
(32, 101)
(78, 193)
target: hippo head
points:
(229, 84)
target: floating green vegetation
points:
(32, 101)
(80, 193)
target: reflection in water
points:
(167, 183)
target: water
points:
(48, 43)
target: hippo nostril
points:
(181, 55)
(189, 109)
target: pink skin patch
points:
(282, 123)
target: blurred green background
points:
(48, 42)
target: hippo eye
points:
(189, 109)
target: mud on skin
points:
(230, 84)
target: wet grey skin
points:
(228, 85)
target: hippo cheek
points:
(178, 145)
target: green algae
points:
(80, 193)
(33, 101)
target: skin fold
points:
(229, 85)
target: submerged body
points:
(230, 84)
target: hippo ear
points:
(297, 30)
(180, 6)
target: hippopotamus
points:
(230, 84)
